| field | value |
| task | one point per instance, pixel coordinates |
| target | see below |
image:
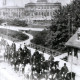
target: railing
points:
(44, 49)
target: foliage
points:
(56, 39)
(40, 38)
(66, 21)
(17, 22)
(10, 34)
(1, 21)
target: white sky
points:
(23, 2)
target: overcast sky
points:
(23, 2)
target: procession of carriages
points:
(35, 66)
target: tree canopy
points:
(64, 24)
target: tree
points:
(58, 33)
(40, 38)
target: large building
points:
(11, 12)
(39, 12)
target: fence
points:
(44, 49)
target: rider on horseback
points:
(35, 57)
(64, 70)
(7, 52)
(25, 47)
(20, 52)
(13, 46)
(51, 60)
(20, 49)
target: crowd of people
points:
(34, 66)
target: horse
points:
(13, 46)
(3, 42)
(45, 65)
(7, 53)
(5, 56)
(16, 62)
(35, 57)
(27, 71)
(70, 75)
(56, 64)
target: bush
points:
(13, 34)
(17, 22)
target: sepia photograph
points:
(39, 39)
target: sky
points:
(23, 2)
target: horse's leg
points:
(4, 57)
(8, 57)
(11, 61)
(18, 67)
(15, 67)
(22, 69)
(46, 76)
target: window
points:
(78, 36)
(42, 14)
(76, 52)
(47, 13)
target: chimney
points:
(4, 2)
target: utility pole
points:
(69, 25)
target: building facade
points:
(11, 12)
(41, 11)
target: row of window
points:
(43, 13)
(11, 14)
(17, 10)
(41, 7)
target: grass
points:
(13, 35)
(32, 32)
(37, 26)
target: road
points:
(21, 28)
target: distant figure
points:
(20, 52)
(51, 58)
(13, 46)
(25, 47)
(20, 49)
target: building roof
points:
(12, 7)
(42, 1)
(73, 41)
(42, 4)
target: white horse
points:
(27, 71)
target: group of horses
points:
(38, 67)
